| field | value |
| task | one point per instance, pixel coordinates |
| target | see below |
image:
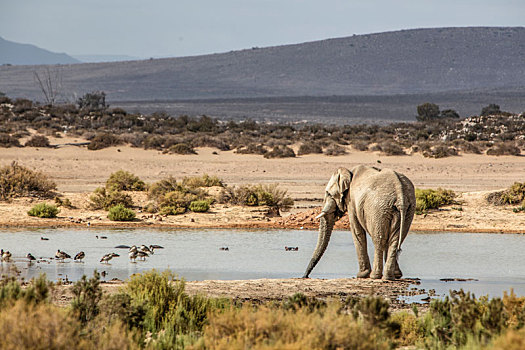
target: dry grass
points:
(19, 181)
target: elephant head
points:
(335, 205)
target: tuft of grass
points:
(433, 199)
(199, 206)
(256, 195)
(182, 148)
(120, 213)
(43, 210)
(19, 181)
(202, 181)
(124, 181)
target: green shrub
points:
(38, 291)
(105, 199)
(19, 181)
(160, 188)
(433, 199)
(172, 210)
(199, 206)
(43, 210)
(124, 181)
(515, 194)
(38, 141)
(66, 203)
(120, 213)
(202, 181)
(427, 111)
(87, 293)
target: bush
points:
(7, 141)
(182, 148)
(427, 111)
(202, 181)
(19, 181)
(360, 146)
(392, 149)
(433, 199)
(335, 150)
(251, 148)
(280, 152)
(105, 199)
(199, 206)
(515, 194)
(504, 149)
(66, 203)
(43, 210)
(270, 195)
(270, 328)
(86, 295)
(309, 148)
(449, 113)
(38, 141)
(121, 213)
(125, 181)
(93, 101)
(491, 109)
(103, 140)
(37, 292)
(440, 151)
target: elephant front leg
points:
(359, 236)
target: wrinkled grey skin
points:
(380, 202)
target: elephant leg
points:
(397, 271)
(359, 236)
(392, 267)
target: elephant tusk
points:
(320, 215)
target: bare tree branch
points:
(50, 83)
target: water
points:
(495, 260)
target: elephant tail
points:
(404, 209)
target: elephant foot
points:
(389, 277)
(363, 274)
(398, 274)
(376, 275)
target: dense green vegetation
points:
(43, 210)
(154, 311)
(120, 213)
(433, 199)
(437, 134)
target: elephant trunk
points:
(326, 226)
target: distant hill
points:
(418, 61)
(26, 54)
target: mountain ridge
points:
(13, 53)
(414, 61)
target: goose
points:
(62, 255)
(155, 246)
(30, 257)
(80, 256)
(224, 248)
(142, 254)
(133, 255)
(108, 257)
(6, 256)
(122, 246)
(44, 238)
(145, 249)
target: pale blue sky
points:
(168, 28)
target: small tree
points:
(93, 101)
(449, 113)
(427, 111)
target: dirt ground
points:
(78, 171)
(264, 290)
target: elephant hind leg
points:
(397, 271)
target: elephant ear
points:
(338, 187)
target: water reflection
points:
(495, 260)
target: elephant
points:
(381, 202)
